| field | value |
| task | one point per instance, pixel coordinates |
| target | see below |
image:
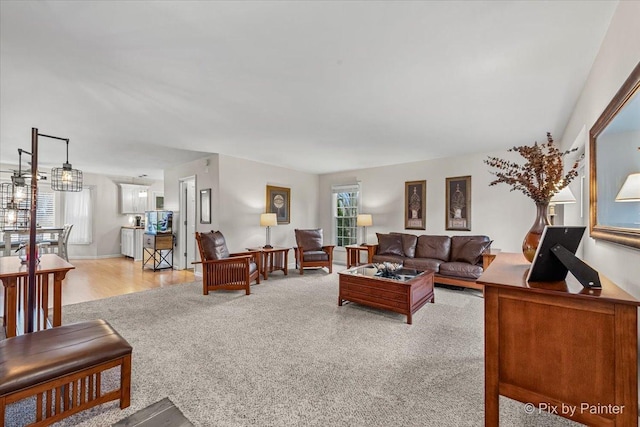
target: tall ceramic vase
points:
(532, 239)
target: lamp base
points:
(268, 247)
(364, 244)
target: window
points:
(345, 202)
(78, 211)
(45, 208)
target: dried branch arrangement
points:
(541, 176)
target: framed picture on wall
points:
(415, 205)
(205, 206)
(458, 203)
(279, 203)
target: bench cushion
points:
(31, 359)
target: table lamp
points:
(630, 190)
(364, 221)
(268, 220)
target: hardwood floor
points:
(101, 278)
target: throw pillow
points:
(472, 251)
(390, 244)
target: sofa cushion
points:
(389, 258)
(460, 269)
(409, 242)
(423, 264)
(468, 248)
(436, 247)
(213, 246)
(390, 244)
(309, 240)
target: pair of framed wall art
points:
(457, 204)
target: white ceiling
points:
(313, 86)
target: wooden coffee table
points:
(405, 294)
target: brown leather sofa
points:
(457, 260)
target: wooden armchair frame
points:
(302, 264)
(229, 273)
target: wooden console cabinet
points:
(560, 347)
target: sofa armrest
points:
(488, 256)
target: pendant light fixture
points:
(65, 178)
(15, 199)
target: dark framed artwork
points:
(279, 203)
(458, 203)
(415, 205)
(205, 206)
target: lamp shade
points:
(563, 196)
(630, 190)
(364, 220)
(268, 220)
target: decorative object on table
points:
(158, 222)
(279, 203)
(268, 220)
(387, 269)
(458, 203)
(23, 253)
(364, 221)
(205, 206)
(539, 178)
(415, 205)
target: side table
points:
(273, 259)
(158, 251)
(353, 254)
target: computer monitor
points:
(555, 257)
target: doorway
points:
(187, 239)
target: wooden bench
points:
(62, 367)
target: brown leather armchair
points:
(311, 252)
(222, 270)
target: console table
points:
(559, 347)
(14, 277)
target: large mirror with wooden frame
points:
(614, 151)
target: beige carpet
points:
(287, 355)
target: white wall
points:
(206, 173)
(238, 197)
(243, 187)
(619, 54)
(502, 215)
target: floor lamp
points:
(63, 179)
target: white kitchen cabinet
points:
(133, 198)
(131, 242)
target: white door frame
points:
(187, 227)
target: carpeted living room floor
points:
(288, 355)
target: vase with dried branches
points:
(539, 178)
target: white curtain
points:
(77, 211)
